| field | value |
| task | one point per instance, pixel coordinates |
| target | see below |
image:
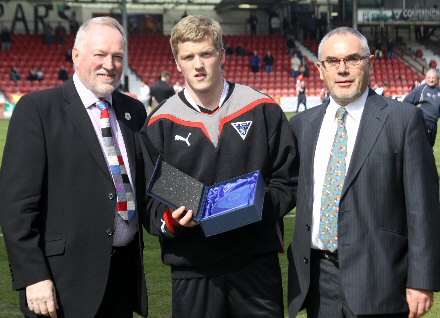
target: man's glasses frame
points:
(352, 61)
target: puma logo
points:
(177, 137)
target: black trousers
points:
(253, 291)
(326, 297)
(121, 290)
(432, 135)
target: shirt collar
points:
(354, 109)
(87, 97)
(222, 97)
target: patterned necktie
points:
(333, 184)
(126, 206)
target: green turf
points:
(158, 275)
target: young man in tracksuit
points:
(216, 130)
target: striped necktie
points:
(333, 184)
(125, 199)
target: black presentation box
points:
(218, 208)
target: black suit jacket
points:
(389, 217)
(58, 199)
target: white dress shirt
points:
(324, 148)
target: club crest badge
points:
(242, 128)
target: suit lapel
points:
(78, 114)
(312, 133)
(124, 117)
(373, 119)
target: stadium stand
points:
(150, 54)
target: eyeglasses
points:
(351, 62)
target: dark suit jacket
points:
(58, 199)
(389, 216)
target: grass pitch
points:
(158, 275)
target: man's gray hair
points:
(107, 21)
(345, 30)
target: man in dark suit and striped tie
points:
(72, 186)
(367, 239)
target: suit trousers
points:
(325, 298)
(253, 291)
(121, 290)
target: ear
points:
(371, 62)
(75, 56)
(320, 69)
(222, 56)
(177, 65)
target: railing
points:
(410, 58)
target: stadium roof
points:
(218, 5)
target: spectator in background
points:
(69, 55)
(312, 26)
(60, 33)
(255, 61)
(240, 50)
(324, 94)
(269, 60)
(6, 39)
(14, 74)
(177, 86)
(73, 24)
(161, 90)
(427, 97)
(48, 33)
(144, 95)
(295, 64)
(415, 84)
(322, 25)
(40, 74)
(32, 74)
(253, 22)
(390, 49)
(63, 75)
(229, 50)
(301, 90)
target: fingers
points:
(419, 302)
(41, 298)
(184, 218)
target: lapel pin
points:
(127, 116)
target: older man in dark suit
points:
(72, 183)
(366, 240)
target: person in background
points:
(32, 74)
(72, 188)
(177, 86)
(48, 33)
(366, 240)
(295, 65)
(144, 95)
(302, 98)
(6, 39)
(161, 90)
(40, 74)
(60, 33)
(269, 61)
(63, 75)
(255, 62)
(427, 97)
(237, 273)
(14, 74)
